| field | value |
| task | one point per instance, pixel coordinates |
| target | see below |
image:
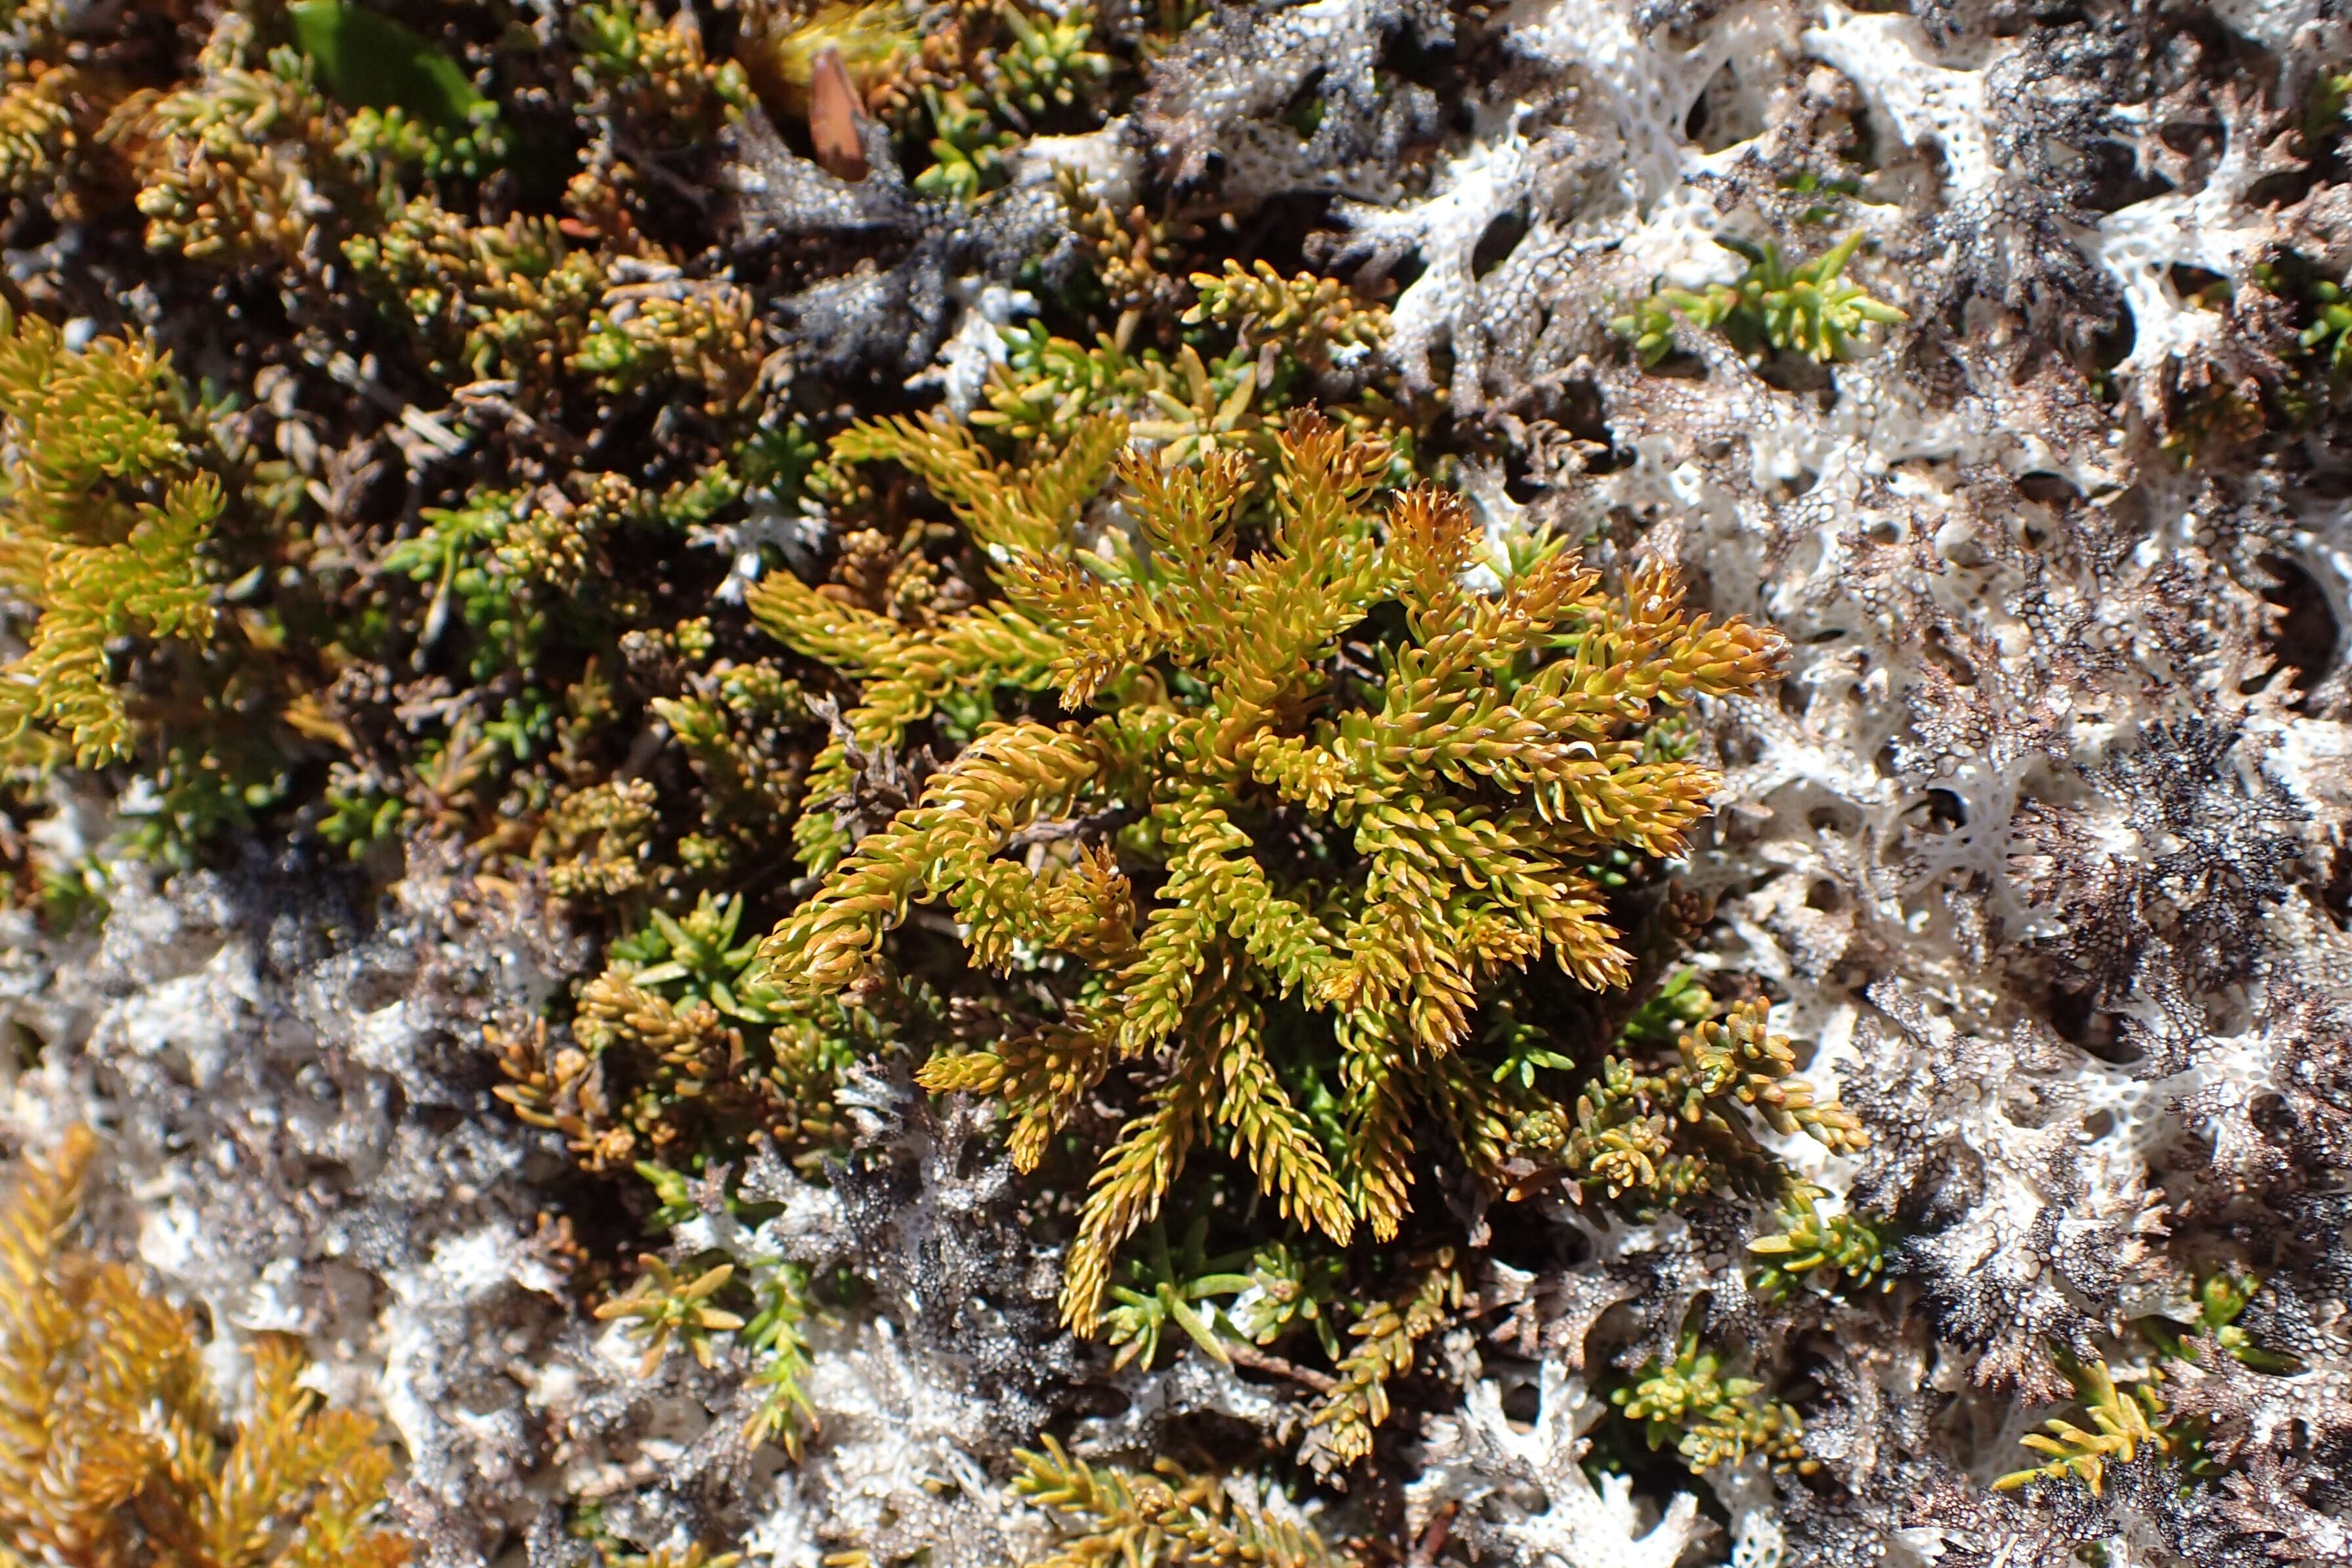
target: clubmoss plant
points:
(113, 1447)
(1382, 1349)
(1344, 848)
(1160, 1518)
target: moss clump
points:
(108, 511)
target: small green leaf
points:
(1190, 1321)
(369, 61)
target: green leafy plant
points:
(1813, 1249)
(367, 60)
(410, 101)
(1316, 320)
(1288, 1289)
(1195, 399)
(1227, 1306)
(1048, 64)
(1836, 191)
(2329, 335)
(779, 1351)
(967, 146)
(663, 1306)
(2324, 112)
(1709, 1419)
(2124, 1421)
(1040, 64)
(498, 562)
(704, 333)
(2219, 1302)
(507, 302)
(1165, 1286)
(237, 167)
(679, 1044)
(1808, 308)
(43, 128)
(780, 43)
(2126, 1407)
(655, 69)
(700, 956)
